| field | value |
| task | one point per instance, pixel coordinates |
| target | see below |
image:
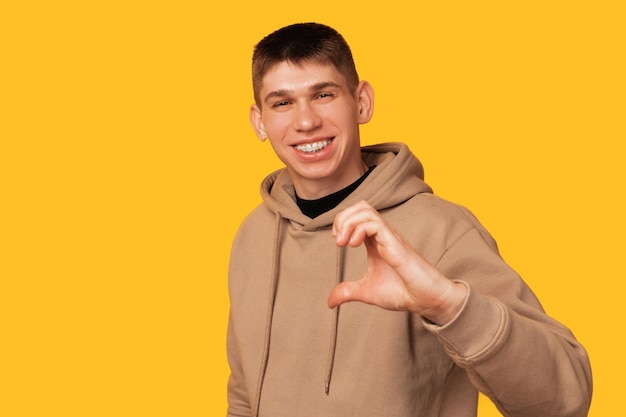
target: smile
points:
(313, 147)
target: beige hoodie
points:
(291, 356)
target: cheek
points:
(346, 115)
(346, 122)
(275, 124)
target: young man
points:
(441, 316)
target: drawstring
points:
(334, 327)
(270, 311)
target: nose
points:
(306, 117)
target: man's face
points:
(312, 121)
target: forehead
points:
(289, 76)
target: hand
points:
(397, 277)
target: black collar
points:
(313, 208)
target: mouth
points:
(314, 146)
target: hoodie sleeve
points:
(527, 363)
(238, 403)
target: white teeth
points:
(313, 147)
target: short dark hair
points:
(299, 43)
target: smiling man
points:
(311, 116)
(354, 290)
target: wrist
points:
(451, 303)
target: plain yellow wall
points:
(127, 163)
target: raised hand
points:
(397, 277)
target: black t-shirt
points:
(313, 208)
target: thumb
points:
(343, 293)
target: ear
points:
(257, 122)
(365, 101)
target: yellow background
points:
(127, 163)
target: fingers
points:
(355, 223)
(361, 224)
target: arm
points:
(527, 363)
(238, 405)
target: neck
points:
(312, 189)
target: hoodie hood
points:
(398, 176)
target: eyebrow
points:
(315, 87)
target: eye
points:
(324, 95)
(280, 103)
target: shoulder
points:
(259, 219)
(251, 251)
(430, 211)
(434, 224)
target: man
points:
(440, 317)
